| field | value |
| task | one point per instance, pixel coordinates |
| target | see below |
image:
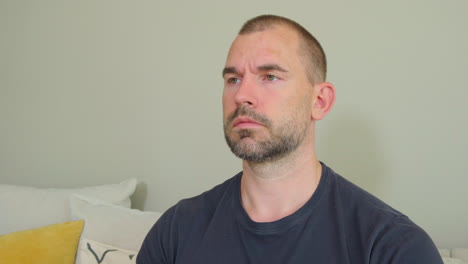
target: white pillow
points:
(452, 261)
(99, 253)
(110, 224)
(444, 252)
(23, 207)
(460, 253)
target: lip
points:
(245, 122)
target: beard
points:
(282, 139)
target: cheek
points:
(228, 106)
(299, 106)
(228, 96)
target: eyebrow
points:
(228, 70)
(271, 67)
(266, 67)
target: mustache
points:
(248, 112)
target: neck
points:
(271, 191)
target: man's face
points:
(267, 99)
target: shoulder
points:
(389, 235)
(353, 200)
(207, 201)
(402, 241)
(199, 208)
(184, 222)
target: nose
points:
(247, 92)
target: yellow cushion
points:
(53, 244)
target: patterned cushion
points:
(99, 253)
(112, 225)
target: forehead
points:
(278, 45)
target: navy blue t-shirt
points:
(341, 223)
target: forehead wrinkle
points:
(254, 53)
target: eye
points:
(270, 78)
(233, 80)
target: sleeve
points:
(157, 248)
(403, 242)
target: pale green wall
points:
(95, 91)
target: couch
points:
(454, 256)
(81, 225)
(85, 226)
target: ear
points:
(324, 98)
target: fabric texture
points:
(110, 224)
(341, 223)
(460, 253)
(54, 244)
(98, 253)
(23, 207)
(448, 260)
(444, 252)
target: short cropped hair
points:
(310, 50)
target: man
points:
(285, 206)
